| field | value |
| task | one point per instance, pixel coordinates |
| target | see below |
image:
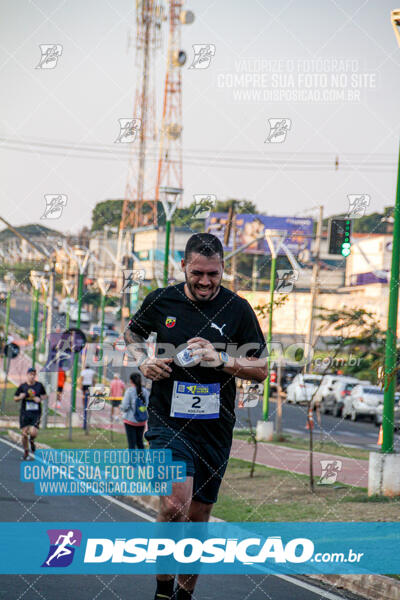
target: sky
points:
(330, 69)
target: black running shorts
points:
(29, 419)
(205, 463)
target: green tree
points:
(108, 213)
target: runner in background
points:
(30, 394)
(60, 385)
(117, 388)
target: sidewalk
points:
(353, 471)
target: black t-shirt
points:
(28, 405)
(227, 321)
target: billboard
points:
(248, 226)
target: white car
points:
(333, 401)
(73, 315)
(379, 412)
(302, 387)
(326, 387)
(66, 305)
(363, 401)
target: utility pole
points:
(315, 284)
(234, 257)
(169, 209)
(275, 239)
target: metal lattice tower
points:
(139, 206)
(170, 168)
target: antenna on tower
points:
(140, 206)
(170, 168)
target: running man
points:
(205, 322)
(62, 549)
(30, 394)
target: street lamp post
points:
(45, 286)
(391, 334)
(36, 280)
(274, 238)
(169, 206)
(81, 258)
(104, 286)
(68, 288)
(9, 278)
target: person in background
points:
(117, 388)
(88, 379)
(134, 412)
(30, 394)
(60, 385)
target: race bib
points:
(31, 406)
(195, 400)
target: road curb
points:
(367, 586)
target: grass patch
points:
(290, 441)
(273, 495)
(97, 438)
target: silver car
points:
(363, 401)
(379, 412)
(334, 400)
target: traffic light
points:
(339, 236)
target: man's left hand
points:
(204, 350)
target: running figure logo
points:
(62, 547)
(54, 206)
(203, 53)
(278, 129)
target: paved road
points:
(362, 434)
(18, 503)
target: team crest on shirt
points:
(170, 321)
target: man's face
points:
(31, 378)
(203, 275)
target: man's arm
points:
(152, 368)
(242, 367)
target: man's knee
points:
(174, 507)
(199, 512)
(25, 433)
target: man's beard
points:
(193, 291)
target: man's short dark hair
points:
(206, 244)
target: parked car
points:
(73, 315)
(326, 387)
(362, 401)
(65, 304)
(288, 373)
(333, 402)
(379, 412)
(302, 387)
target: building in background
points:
(14, 250)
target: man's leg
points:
(173, 508)
(33, 433)
(25, 441)
(198, 512)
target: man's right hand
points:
(156, 368)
